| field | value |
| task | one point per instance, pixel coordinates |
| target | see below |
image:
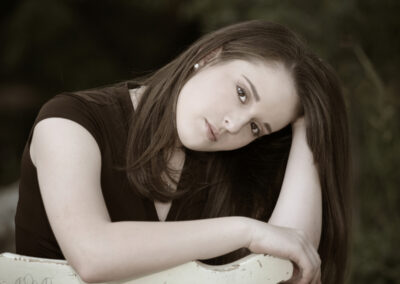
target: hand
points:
(290, 244)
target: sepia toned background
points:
(50, 46)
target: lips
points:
(211, 132)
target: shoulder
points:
(59, 137)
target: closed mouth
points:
(210, 134)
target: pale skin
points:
(100, 250)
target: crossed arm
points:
(101, 250)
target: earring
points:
(196, 66)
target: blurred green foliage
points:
(55, 45)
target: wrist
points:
(245, 229)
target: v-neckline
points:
(150, 207)
(151, 210)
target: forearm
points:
(126, 249)
(300, 203)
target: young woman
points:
(240, 144)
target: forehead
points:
(274, 85)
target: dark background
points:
(50, 46)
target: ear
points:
(210, 57)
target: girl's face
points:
(227, 105)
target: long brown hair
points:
(247, 181)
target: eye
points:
(241, 94)
(255, 129)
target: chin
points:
(188, 142)
(197, 147)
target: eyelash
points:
(242, 92)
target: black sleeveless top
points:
(108, 123)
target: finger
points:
(296, 275)
(308, 249)
(306, 258)
(317, 278)
(314, 258)
(307, 268)
(307, 264)
(317, 264)
(311, 251)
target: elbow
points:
(99, 267)
(88, 266)
(91, 273)
(86, 270)
(87, 275)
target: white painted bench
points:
(252, 269)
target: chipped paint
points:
(229, 268)
(33, 260)
(255, 268)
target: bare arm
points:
(68, 163)
(299, 204)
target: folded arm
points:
(68, 164)
(299, 204)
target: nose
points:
(234, 123)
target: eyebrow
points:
(257, 99)
(253, 89)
